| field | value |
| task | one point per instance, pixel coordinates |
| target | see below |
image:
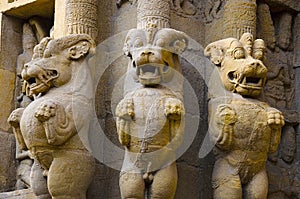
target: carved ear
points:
(215, 53)
(79, 50)
(180, 45)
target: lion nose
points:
(147, 53)
(258, 68)
(255, 64)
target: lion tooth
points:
(141, 71)
(35, 97)
(244, 80)
(156, 71)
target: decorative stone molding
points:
(153, 13)
(81, 17)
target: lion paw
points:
(125, 109)
(275, 119)
(174, 108)
(45, 111)
(15, 117)
(226, 115)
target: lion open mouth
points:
(250, 82)
(151, 74)
(41, 82)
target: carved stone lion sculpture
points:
(244, 128)
(150, 119)
(47, 125)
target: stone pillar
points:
(59, 16)
(153, 13)
(11, 30)
(265, 27)
(76, 17)
(239, 17)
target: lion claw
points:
(45, 111)
(275, 119)
(15, 116)
(174, 108)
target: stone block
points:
(284, 5)
(27, 8)
(7, 80)
(7, 163)
(19, 194)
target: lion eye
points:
(138, 43)
(239, 53)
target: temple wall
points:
(203, 21)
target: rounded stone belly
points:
(251, 130)
(150, 122)
(32, 129)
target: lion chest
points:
(149, 119)
(32, 129)
(251, 130)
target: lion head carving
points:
(154, 55)
(240, 64)
(52, 60)
(51, 127)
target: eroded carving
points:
(186, 7)
(82, 17)
(284, 172)
(279, 89)
(153, 13)
(150, 119)
(244, 129)
(46, 127)
(239, 17)
(265, 26)
(212, 9)
(25, 162)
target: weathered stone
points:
(296, 65)
(54, 126)
(80, 17)
(19, 194)
(7, 167)
(239, 17)
(7, 78)
(265, 26)
(27, 8)
(280, 5)
(150, 119)
(204, 22)
(244, 129)
(189, 177)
